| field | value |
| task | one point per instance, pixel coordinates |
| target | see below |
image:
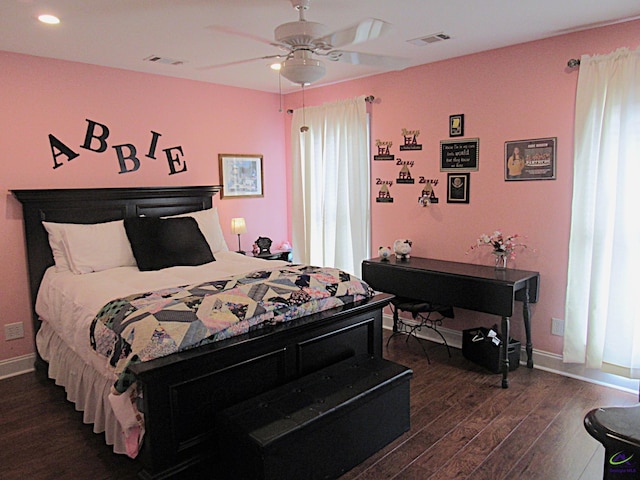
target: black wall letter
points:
(62, 150)
(175, 160)
(154, 142)
(131, 156)
(102, 139)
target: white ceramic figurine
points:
(402, 249)
(384, 253)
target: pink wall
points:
(514, 93)
(43, 96)
(521, 92)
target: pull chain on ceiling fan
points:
(304, 128)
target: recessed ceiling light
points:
(49, 19)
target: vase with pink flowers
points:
(504, 247)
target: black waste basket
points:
(478, 346)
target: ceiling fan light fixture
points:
(302, 69)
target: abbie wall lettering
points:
(95, 140)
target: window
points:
(602, 328)
(331, 185)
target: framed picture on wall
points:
(530, 159)
(456, 125)
(459, 155)
(241, 175)
(458, 187)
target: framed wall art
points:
(241, 175)
(530, 159)
(456, 125)
(459, 155)
(458, 187)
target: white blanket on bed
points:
(70, 302)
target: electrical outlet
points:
(13, 331)
(557, 327)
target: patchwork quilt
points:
(150, 325)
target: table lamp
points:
(238, 226)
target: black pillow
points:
(167, 242)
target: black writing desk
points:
(473, 287)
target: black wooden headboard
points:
(95, 205)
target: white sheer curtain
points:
(602, 320)
(331, 209)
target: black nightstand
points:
(282, 255)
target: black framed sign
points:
(459, 155)
(458, 187)
(530, 159)
(456, 125)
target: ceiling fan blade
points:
(231, 31)
(368, 29)
(358, 58)
(239, 62)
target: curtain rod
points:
(368, 99)
(573, 63)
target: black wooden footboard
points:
(184, 391)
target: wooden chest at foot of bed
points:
(319, 426)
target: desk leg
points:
(395, 319)
(505, 352)
(526, 315)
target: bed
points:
(179, 394)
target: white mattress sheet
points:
(69, 302)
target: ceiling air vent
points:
(163, 60)
(429, 39)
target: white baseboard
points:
(542, 360)
(17, 366)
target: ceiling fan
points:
(303, 41)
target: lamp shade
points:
(302, 69)
(238, 226)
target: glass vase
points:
(500, 260)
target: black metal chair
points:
(618, 429)
(422, 313)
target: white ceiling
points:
(122, 33)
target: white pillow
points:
(93, 247)
(57, 245)
(209, 224)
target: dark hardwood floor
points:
(463, 426)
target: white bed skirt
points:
(85, 387)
